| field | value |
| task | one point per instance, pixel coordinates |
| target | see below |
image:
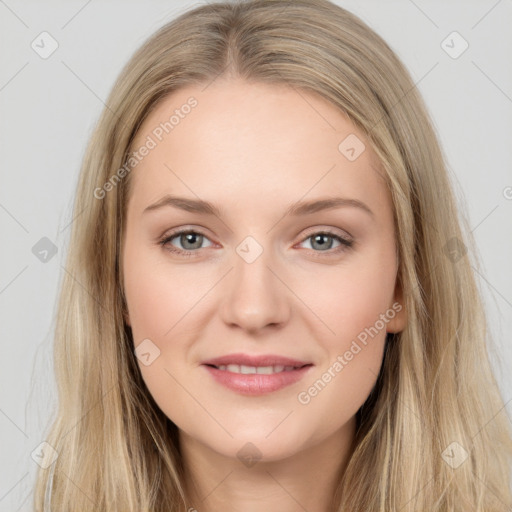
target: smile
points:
(256, 380)
(246, 370)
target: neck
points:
(306, 480)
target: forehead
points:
(233, 140)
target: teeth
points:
(247, 369)
(267, 370)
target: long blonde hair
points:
(436, 399)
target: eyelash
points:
(345, 243)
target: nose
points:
(255, 294)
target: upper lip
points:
(254, 360)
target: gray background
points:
(48, 109)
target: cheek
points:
(354, 304)
(350, 297)
(159, 298)
(157, 294)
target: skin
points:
(252, 150)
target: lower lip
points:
(257, 383)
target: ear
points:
(398, 322)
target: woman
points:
(322, 344)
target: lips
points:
(255, 360)
(256, 375)
(262, 370)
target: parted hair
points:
(117, 451)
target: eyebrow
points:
(296, 209)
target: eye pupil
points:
(189, 238)
(318, 239)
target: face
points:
(253, 277)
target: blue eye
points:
(319, 241)
(187, 237)
(191, 241)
